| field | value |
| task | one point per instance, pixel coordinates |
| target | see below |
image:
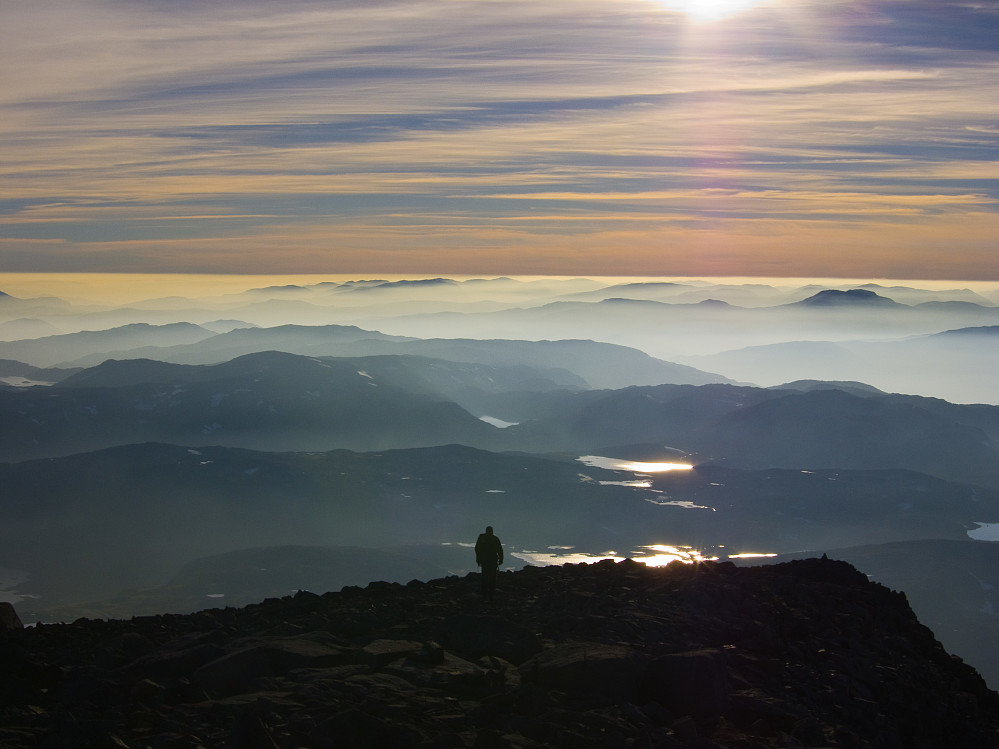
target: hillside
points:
(132, 516)
(806, 653)
(950, 584)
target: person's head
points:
(489, 530)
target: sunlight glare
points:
(709, 10)
(666, 554)
(639, 467)
(656, 555)
(634, 466)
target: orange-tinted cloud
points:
(794, 138)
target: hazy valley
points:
(182, 453)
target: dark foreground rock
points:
(8, 617)
(803, 654)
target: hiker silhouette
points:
(489, 556)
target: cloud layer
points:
(475, 136)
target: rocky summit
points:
(807, 653)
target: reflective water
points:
(618, 464)
(643, 480)
(685, 504)
(657, 555)
(985, 532)
(749, 555)
(497, 422)
(23, 382)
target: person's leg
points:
(488, 582)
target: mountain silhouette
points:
(600, 364)
(305, 340)
(270, 401)
(949, 584)
(848, 298)
(756, 427)
(956, 365)
(63, 348)
(804, 653)
(278, 401)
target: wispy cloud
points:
(439, 134)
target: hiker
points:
(489, 556)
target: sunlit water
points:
(653, 556)
(634, 466)
(499, 423)
(643, 479)
(985, 532)
(656, 555)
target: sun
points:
(709, 10)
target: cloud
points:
(409, 125)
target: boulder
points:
(453, 674)
(173, 663)
(8, 617)
(474, 636)
(607, 672)
(694, 683)
(382, 652)
(270, 656)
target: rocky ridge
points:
(806, 653)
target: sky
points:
(568, 137)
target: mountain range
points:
(955, 364)
(337, 433)
(277, 401)
(132, 517)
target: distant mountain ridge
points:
(788, 428)
(600, 364)
(58, 349)
(268, 401)
(851, 297)
(985, 330)
(279, 401)
(219, 347)
(957, 364)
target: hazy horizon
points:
(122, 288)
(760, 331)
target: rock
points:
(430, 652)
(695, 683)
(8, 617)
(263, 657)
(454, 674)
(382, 652)
(604, 673)
(249, 732)
(612, 655)
(475, 635)
(499, 671)
(174, 664)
